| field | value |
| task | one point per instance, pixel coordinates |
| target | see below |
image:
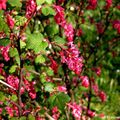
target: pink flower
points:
(3, 4)
(79, 32)
(72, 59)
(116, 25)
(69, 32)
(95, 88)
(102, 96)
(10, 21)
(76, 110)
(30, 8)
(90, 113)
(4, 51)
(10, 111)
(61, 88)
(53, 65)
(55, 113)
(100, 27)
(108, 4)
(29, 86)
(1, 110)
(97, 70)
(13, 81)
(85, 81)
(32, 94)
(92, 4)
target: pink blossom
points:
(69, 32)
(53, 65)
(32, 94)
(95, 88)
(55, 113)
(102, 96)
(90, 113)
(97, 70)
(92, 4)
(76, 110)
(85, 81)
(61, 88)
(4, 51)
(10, 111)
(13, 81)
(108, 4)
(30, 8)
(1, 110)
(79, 32)
(3, 4)
(100, 27)
(10, 21)
(116, 25)
(29, 86)
(72, 59)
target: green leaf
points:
(35, 42)
(14, 98)
(23, 118)
(1, 77)
(4, 42)
(13, 69)
(17, 58)
(39, 59)
(22, 44)
(49, 1)
(39, 2)
(31, 117)
(49, 87)
(3, 26)
(52, 29)
(13, 52)
(49, 72)
(20, 20)
(48, 11)
(59, 100)
(59, 40)
(15, 3)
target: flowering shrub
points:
(56, 58)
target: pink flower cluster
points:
(3, 4)
(100, 27)
(10, 21)
(92, 4)
(102, 96)
(97, 70)
(4, 51)
(116, 25)
(98, 92)
(72, 59)
(30, 8)
(53, 65)
(62, 89)
(76, 110)
(12, 111)
(29, 86)
(84, 81)
(108, 4)
(90, 113)
(55, 113)
(60, 20)
(69, 56)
